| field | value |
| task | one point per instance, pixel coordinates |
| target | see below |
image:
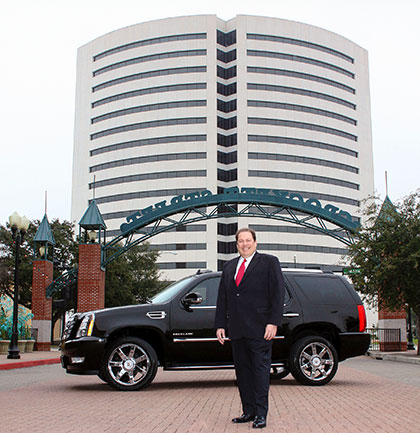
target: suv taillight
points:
(362, 318)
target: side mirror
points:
(192, 299)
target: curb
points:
(395, 357)
(24, 364)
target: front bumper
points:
(353, 344)
(83, 355)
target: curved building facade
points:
(191, 103)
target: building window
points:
(150, 74)
(226, 57)
(301, 43)
(159, 40)
(147, 176)
(226, 89)
(227, 158)
(301, 142)
(304, 177)
(301, 125)
(303, 109)
(149, 107)
(301, 76)
(226, 39)
(148, 91)
(148, 142)
(151, 124)
(149, 58)
(304, 92)
(226, 73)
(147, 194)
(301, 59)
(147, 159)
(227, 140)
(303, 160)
(226, 124)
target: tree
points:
(65, 256)
(386, 254)
(133, 277)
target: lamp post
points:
(19, 227)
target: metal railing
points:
(384, 339)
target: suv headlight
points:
(86, 327)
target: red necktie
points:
(240, 274)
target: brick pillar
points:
(91, 279)
(393, 320)
(42, 276)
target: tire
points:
(313, 361)
(129, 364)
(279, 373)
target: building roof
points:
(92, 218)
(44, 233)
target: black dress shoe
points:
(245, 417)
(259, 422)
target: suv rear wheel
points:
(129, 364)
(313, 361)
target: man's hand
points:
(270, 332)
(221, 335)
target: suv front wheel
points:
(313, 361)
(129, 364)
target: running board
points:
(213, 367)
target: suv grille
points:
(70, 326)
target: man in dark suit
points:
(249, 310)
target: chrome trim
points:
(156, 315)
(291, 315)
(213, 367)
(204, 307)
(211, 339)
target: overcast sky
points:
(39, 41)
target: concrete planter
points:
(22, 345)
(29, 346)
(4, 347)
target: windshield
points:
(171, 291)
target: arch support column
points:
(42, 275)
(91, 279)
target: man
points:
(249, 310)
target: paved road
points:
(366, 396)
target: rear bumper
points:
(82, 356)
(353, 344)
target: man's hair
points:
(246, 229)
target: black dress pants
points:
(252, 359)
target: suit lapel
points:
(232, 270)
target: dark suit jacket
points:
(244, 311)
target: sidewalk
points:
(409, 357)
(31, 359)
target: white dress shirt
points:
(241, 259)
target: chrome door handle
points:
(291, 315)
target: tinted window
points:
(323, 289)
(208, 290)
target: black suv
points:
(323, 323)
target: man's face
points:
(246, 244)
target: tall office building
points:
(192, 103)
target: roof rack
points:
(203, 271)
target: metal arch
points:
(204, 205)
(64, 280)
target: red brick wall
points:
(386, 314)
(91, 279)
(42, 276)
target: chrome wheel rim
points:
(316, 361)
(128, 364)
